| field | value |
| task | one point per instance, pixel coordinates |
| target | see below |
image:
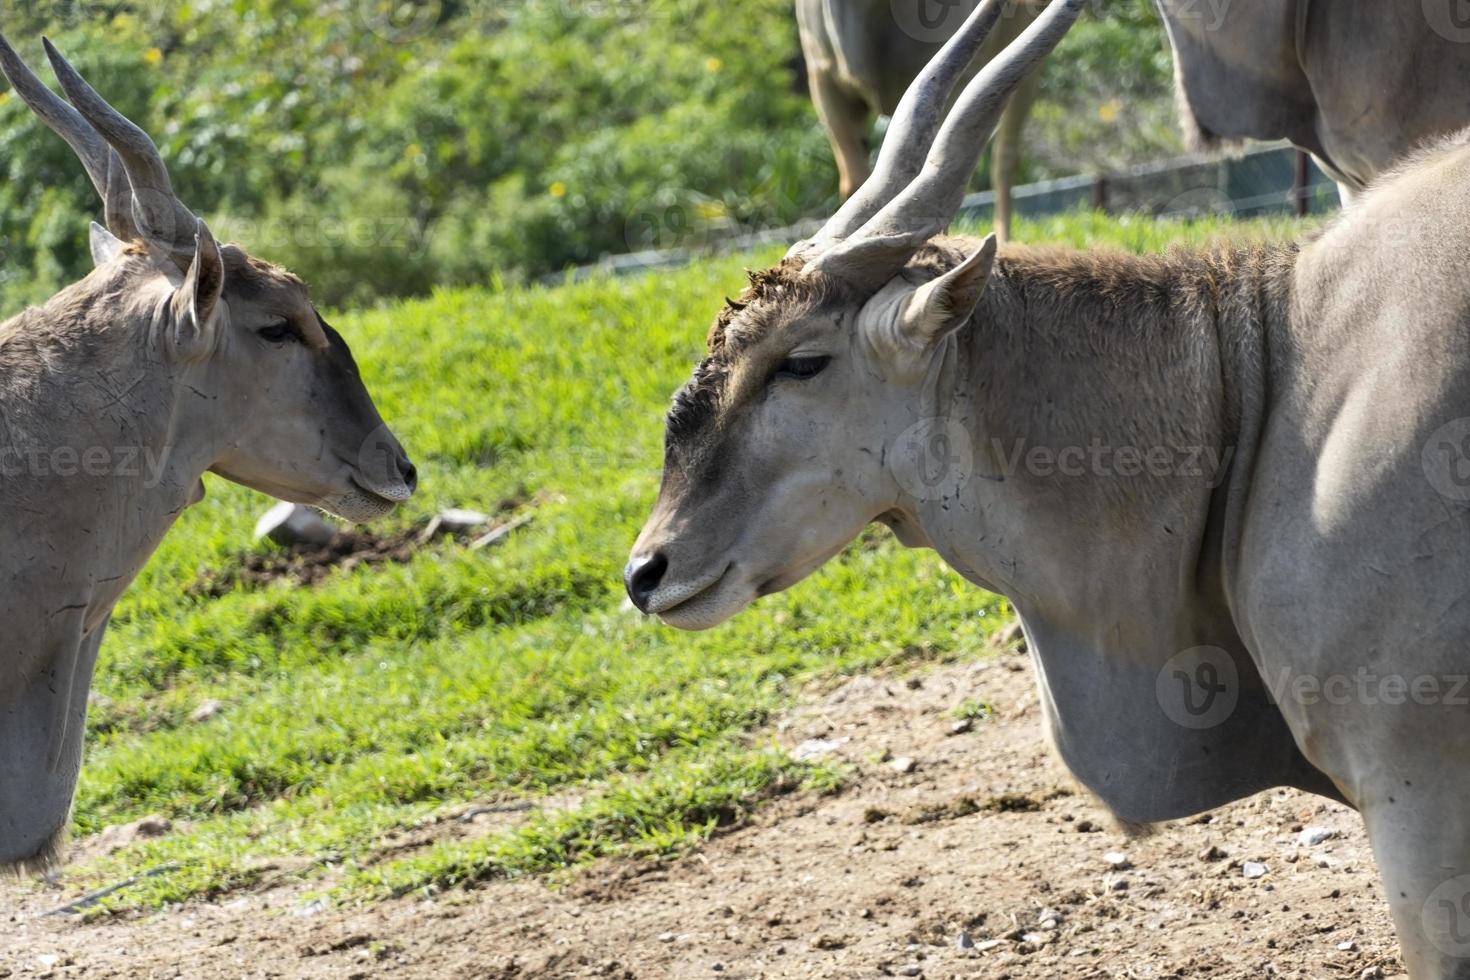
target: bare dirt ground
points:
(980, 860)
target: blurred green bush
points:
(382, 148)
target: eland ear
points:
(942, 304)
(196, 302)
(105, 245)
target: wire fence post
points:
(1299, 183)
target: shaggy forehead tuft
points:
(255, 280)
(775, 297)
(252, 277)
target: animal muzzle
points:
(383, 478)
(384, 468)
(642, 577)
(404, 482)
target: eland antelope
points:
(1227, 492)
(862, 54)
(173, 357)
(1355, 84)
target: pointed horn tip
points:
(59, 64)
(65, 73)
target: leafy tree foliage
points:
(384, 148)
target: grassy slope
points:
(369, 701)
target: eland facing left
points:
(174, 357)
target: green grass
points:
(363, 705)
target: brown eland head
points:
(785, 444)
(292, 416)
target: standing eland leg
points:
(1418, 820)
(1006, 152)
(846, 119)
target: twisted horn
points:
(930, 202)
(157, 211)
(102, 164)
(910, 132)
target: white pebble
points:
(1312, 836)
(815, 748)
(290, 525)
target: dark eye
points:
(278, 333)
(801, 368)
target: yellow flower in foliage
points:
(557, 189)
(1109, 111)
(713, 65)
(154, 57)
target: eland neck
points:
(102, 446)
(100, 431)
(1107, 404)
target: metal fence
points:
(1273, 179)
(1270, 179)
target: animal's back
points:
(1391, 271)
(1361, 488)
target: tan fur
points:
(1308, 521)
(173, 358)
(1426, 153)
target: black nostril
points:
(642, 577)
(409, 472)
